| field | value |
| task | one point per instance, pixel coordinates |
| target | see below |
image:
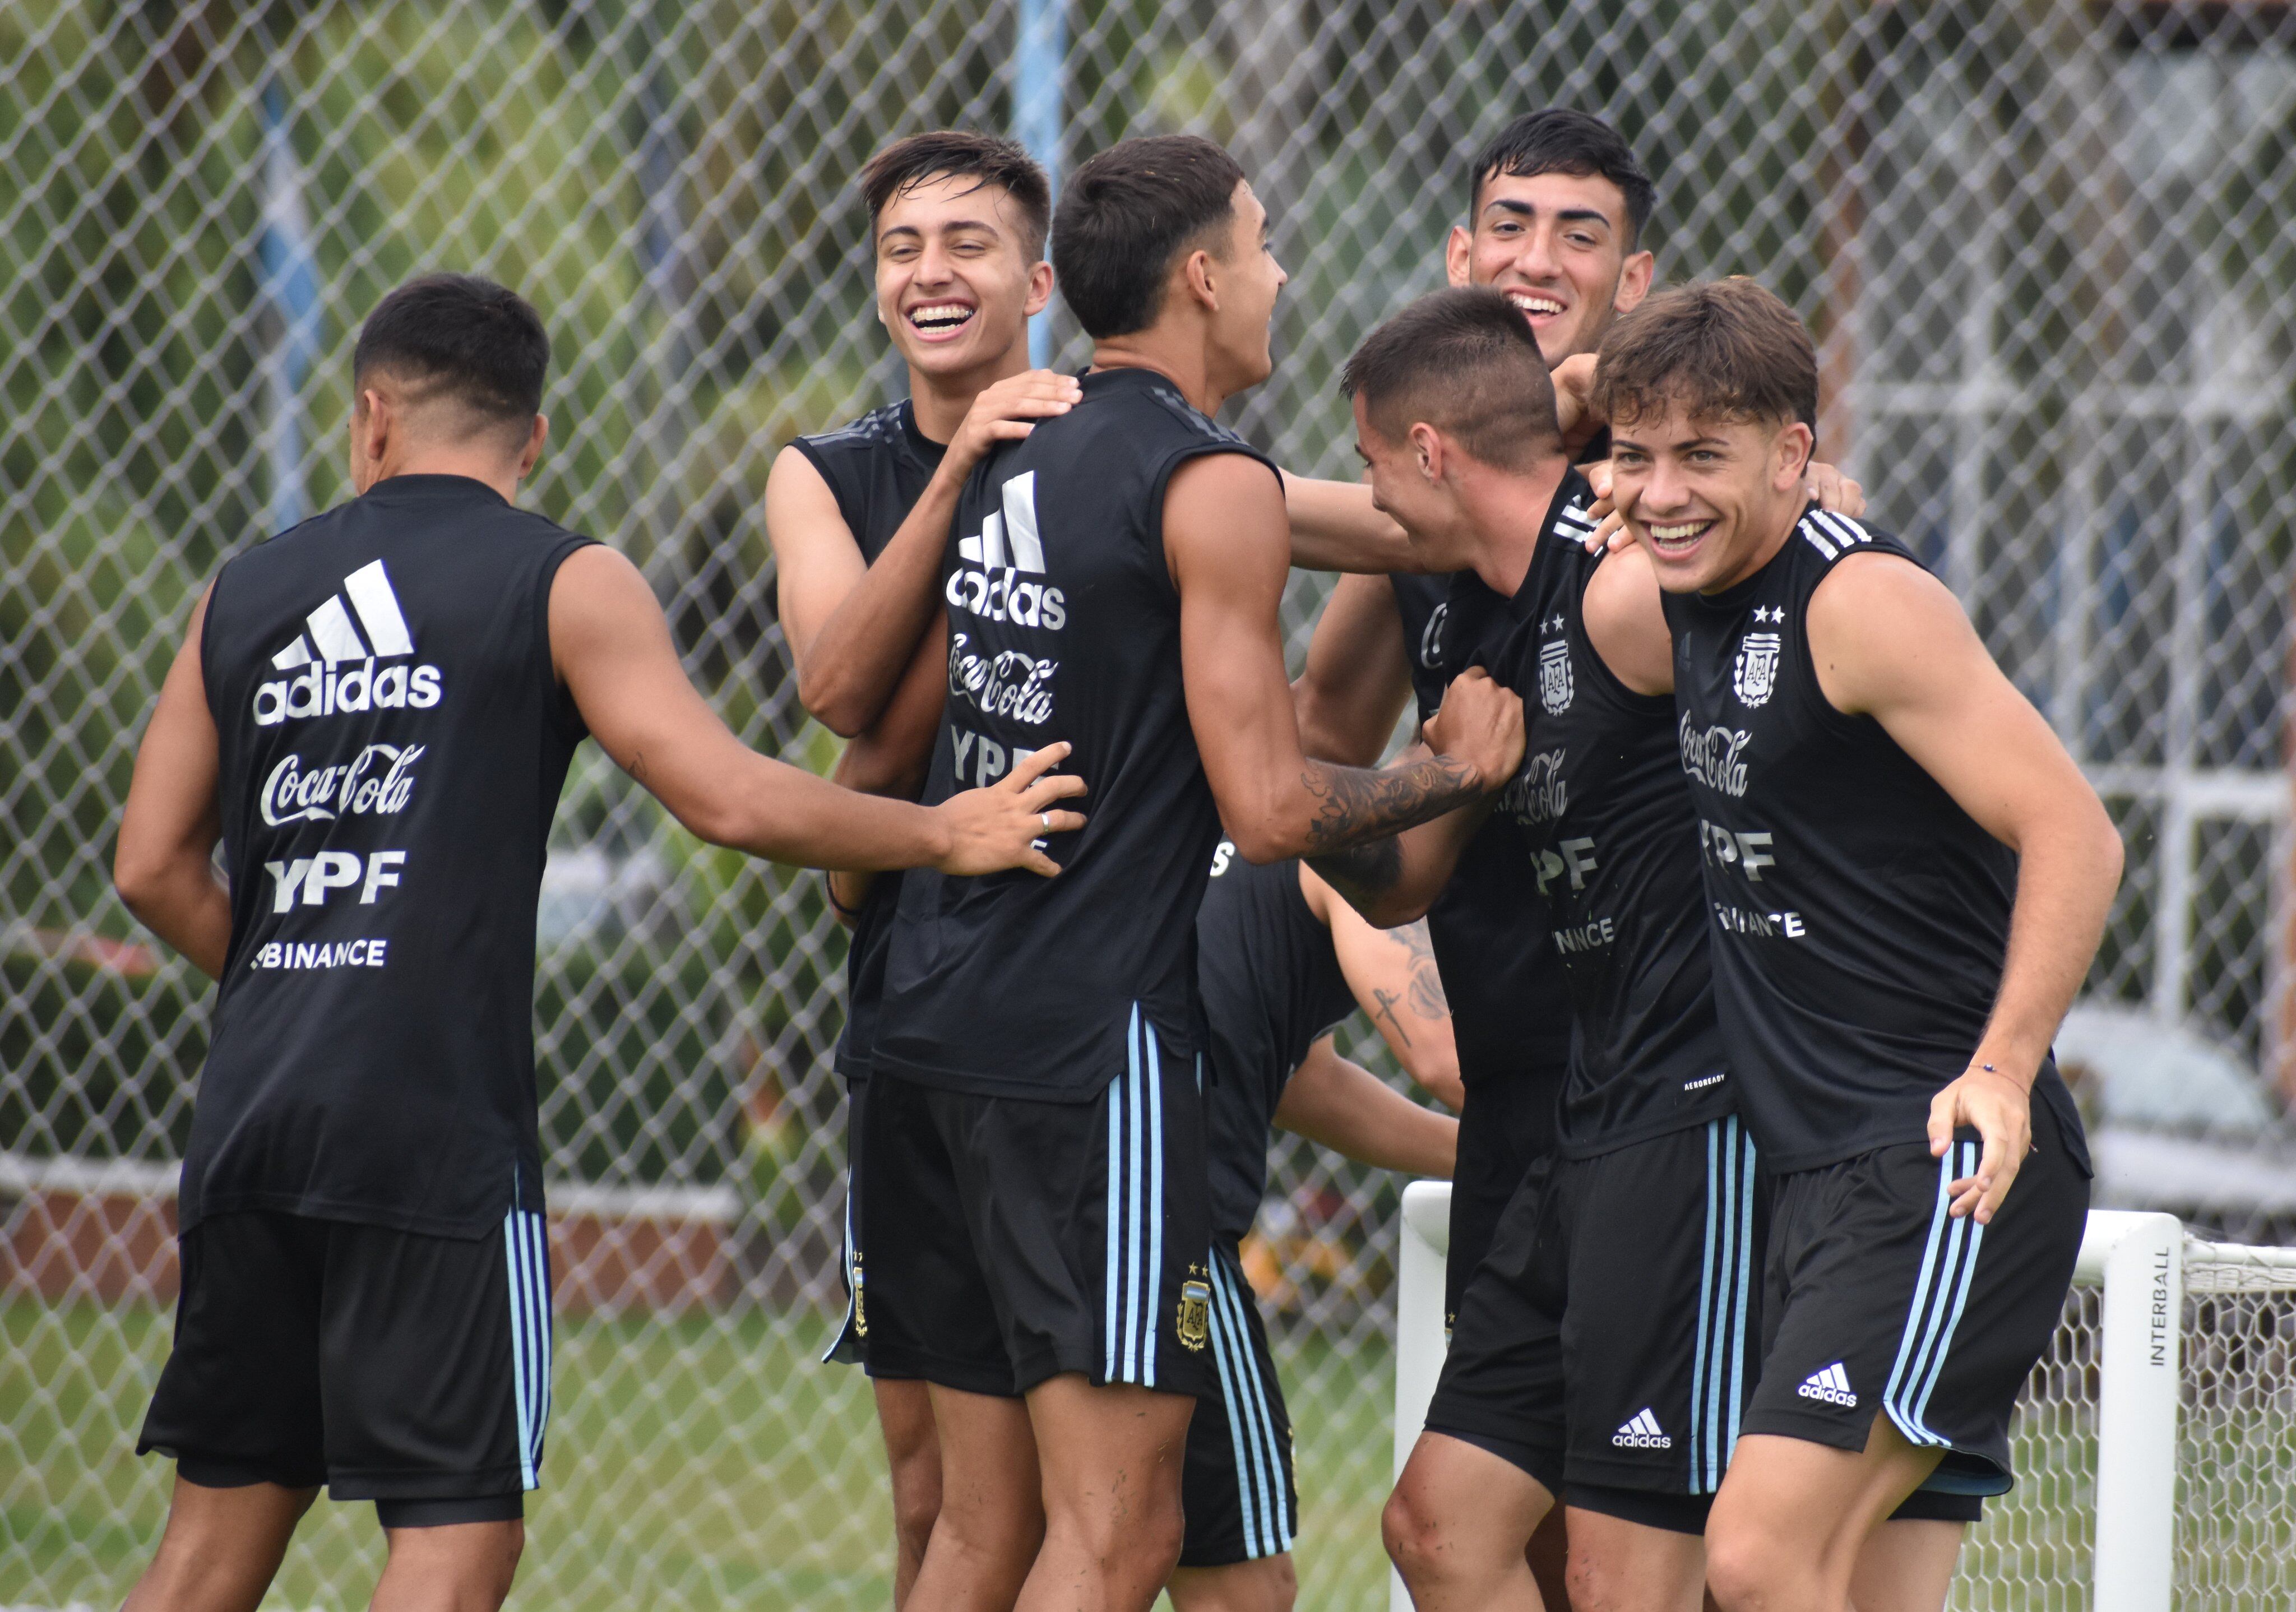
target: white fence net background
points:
(2043, 242)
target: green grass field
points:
(705, 1462)
(710, 1462)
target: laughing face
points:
(1556, 245)
(1711, 501)
(956, 280)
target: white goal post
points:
(2144, 1264)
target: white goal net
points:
(2043, 243)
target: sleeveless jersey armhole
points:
(564, 715)
(1162, 484)
(1614, 686)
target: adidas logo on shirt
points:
(1642, 1432)
(994, 583)
(335, 667)
(1832, 1385)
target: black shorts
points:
(1506, 1131)
(1238, 1488)
(1878, 1300)
(1607, 1342)
(408, 1369)
(1010, 1241)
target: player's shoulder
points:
(1831, 538)
(874, 431)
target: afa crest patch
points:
(860, 1305)
(1195, 1320)
(1554, 685)
(1755, 675)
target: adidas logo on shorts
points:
(1641, 1433)
(1832, 1385)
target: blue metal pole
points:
(290, 285)
(1039, 87)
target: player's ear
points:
(1458, 252)
(1427, 443)
(1634, 282)
(1040, 288)
(533, 451)
(1196, 275)
(1791, 463)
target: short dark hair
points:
(1465, 361)
(459, 336)
(1564, 139)
(1127, 214)
(962, 153)
(1726, 350)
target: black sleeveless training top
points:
(1607, 820)
(1510, 1008)
(1860, 917)
(1272, 984)
(1063, 624)
(392, 741)
(877, 467)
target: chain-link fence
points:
(2043, 244)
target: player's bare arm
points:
(1224, 536)
(1358, 679)
(1335, 528)
(613, 652)
(891, 755)
(1626, 622)
(1890, 642)
(850, 625)
(1393, 975)
(164, 866)
(1395, 879)
(1352, 1111)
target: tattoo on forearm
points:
(1387, 1001)
(1428, 999)
(1356, 804)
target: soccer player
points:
(372, 713)
(1907, 878)
(1034, 1125)
(1281, 961)
(858, 518)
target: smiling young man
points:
(1036, 1132)
(372, 715)
(1906, 880)
(857, 518)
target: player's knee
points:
(1749, 1569)
(1413, 1534)
(916, 1507)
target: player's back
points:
(1064, 624)
(392, 739)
